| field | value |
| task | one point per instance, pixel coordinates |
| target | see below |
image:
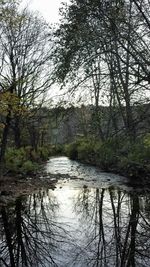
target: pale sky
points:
(49, 9)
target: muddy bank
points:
(137, 173)
(13, 186)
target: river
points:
(91, 219)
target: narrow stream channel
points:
(91, 219)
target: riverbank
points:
(61, 170)
(12, 186)
(115, 155)
(137, 172)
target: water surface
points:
(96, 220)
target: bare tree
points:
(25, 76)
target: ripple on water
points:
(84, 172)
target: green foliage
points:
(107, 153)
(118, 154)
(56, 150)
(25, 160)
(91, 151)
(71, 150)
(113, 154)
(28, 167)
(106, 156)
(14, 159)
(138, 152)
(85, 149)
(17, 161)
(59, 149)
(43, 153)
(82, 148)
(146, 140)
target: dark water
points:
(96, 220)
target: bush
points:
(106, 154)
(59, 149)
(86, 150)
(118, 154)
(71, 150)
(28, 167)
(82, 148)
(56, 150)
(43, 153)
(146, 140)
(14, 159)
(139, 152)
(136, 160)
(24, 160)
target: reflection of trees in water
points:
(29, 234)
(116, 231)
(113, 230)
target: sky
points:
(49, 9)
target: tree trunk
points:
(5, 137)
(17, 134)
